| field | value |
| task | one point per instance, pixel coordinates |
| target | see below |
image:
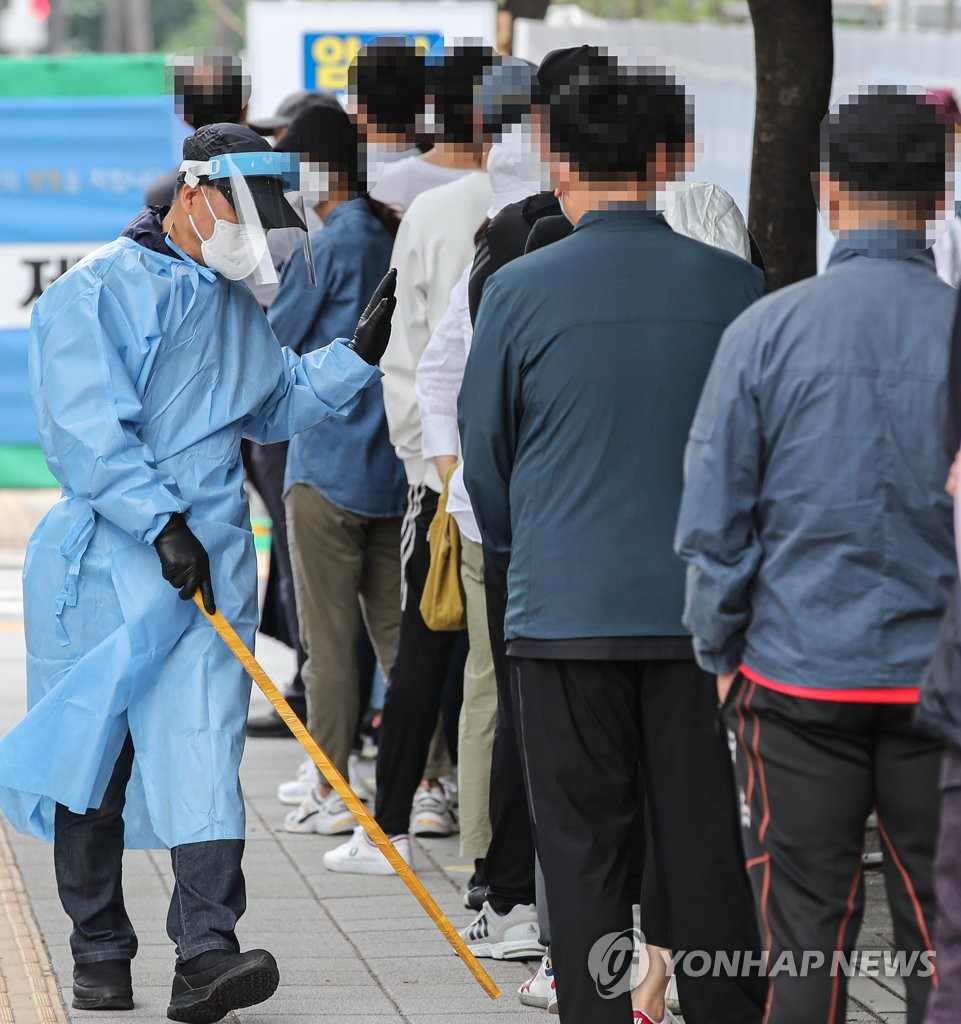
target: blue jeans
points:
(209, 893)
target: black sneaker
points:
(102, 986)
(209, 986)
(475, 897)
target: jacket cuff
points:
(719, 663)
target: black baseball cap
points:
(267, 190)
(290, 107)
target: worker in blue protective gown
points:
(148, 364)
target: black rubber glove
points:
(373, 328)
(184, 561)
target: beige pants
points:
(344, 565)
(478, 712)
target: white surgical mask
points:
(314, 183)
(233, 250)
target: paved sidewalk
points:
(348, 946)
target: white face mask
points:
(314, 183)
(233, 250)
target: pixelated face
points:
(887, 161)
(385, 92)
(621, 124)
(208, 88)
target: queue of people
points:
(705, 548)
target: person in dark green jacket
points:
(586, 367)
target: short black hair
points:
(608, 120)
(453, 85)
(208, 88)
(889, 141)
(388, 77)
(559, 66)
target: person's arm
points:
(91, 412)
(308, 389)
(717, 526)
(326, 381)
(410, 335)
(439, 376)
(489, 414)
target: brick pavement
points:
(348, 947)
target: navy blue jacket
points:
(814, 520)
(586, 364)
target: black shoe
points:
(475, 897)
(102, 986)
(209, 986)
(272, 726)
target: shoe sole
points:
(541, 1002)
(342, 829)
(246, 986)
(507, 950)
(353, 867)
(430, 827)
(116, 1002)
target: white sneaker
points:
(511, 936)
(431, 814)
(367, 791)
(552, 1002)
(325, 815)
(292, 793)
(537, 991)
(359, 856)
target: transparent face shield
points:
(263, 190)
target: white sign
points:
(294, 45)
(26, 269)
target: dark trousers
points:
(414, 697)
(944, 1005)
(509, 865)
(209, 893)
(809, 773)
(584, 727)
(266, 465)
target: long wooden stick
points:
(239, 649)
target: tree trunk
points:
(58, 26)
(535, 9)
(112, 26)
(794, 53)
(139, 28)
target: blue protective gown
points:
(146, 371)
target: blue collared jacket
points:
(814, 520)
